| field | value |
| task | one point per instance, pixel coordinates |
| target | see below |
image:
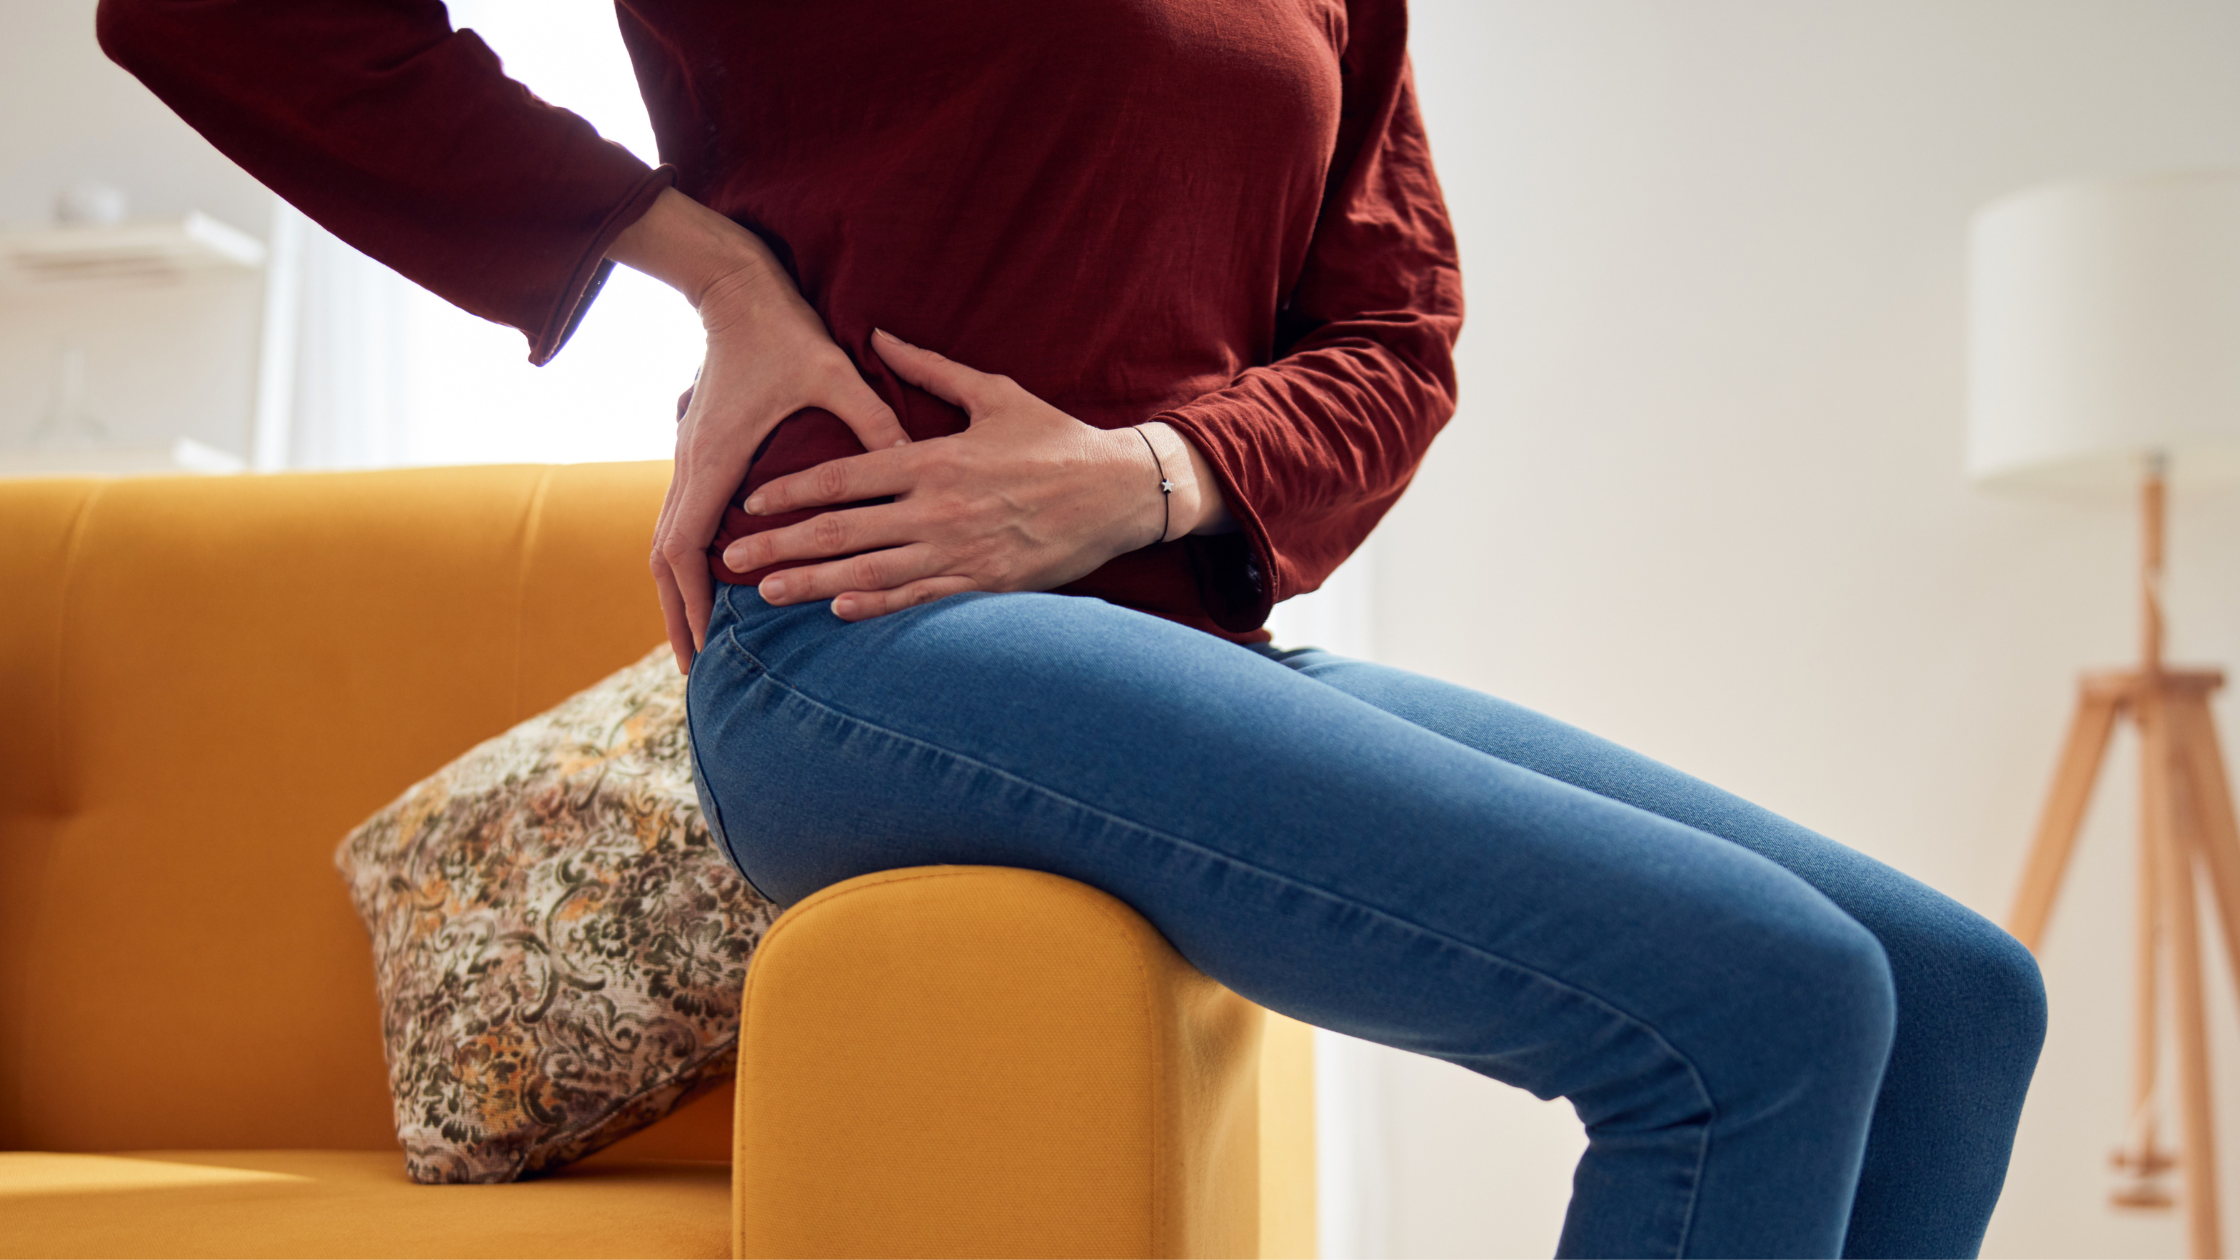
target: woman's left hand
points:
(1025, 499)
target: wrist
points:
(1194, 504)
(1146, 465)
(717, 265)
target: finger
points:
(683, 545)
(850, 479)
(871, 571)
(864, 605)
(829, 534)
(673, 614)
(699, 597)
(665, 587)
(943, 377)
(862, 410)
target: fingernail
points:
(843, 606)
(754, 505)
(773, 589)
(881, 332)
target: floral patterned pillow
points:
(558, 942)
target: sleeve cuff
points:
(1236, 572)
(591, 269)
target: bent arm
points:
(1311, 450)
(404, 138)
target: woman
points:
(935, 614)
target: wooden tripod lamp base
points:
(2186, 829)
(2101, 329)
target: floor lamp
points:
(2105, 359)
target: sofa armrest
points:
(982, 1061)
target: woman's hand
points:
(1026, 499)
(768, 357)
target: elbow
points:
(1424, 350)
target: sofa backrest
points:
(206, 682)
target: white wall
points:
(1705, 493)
(68, 113)
(173, 362)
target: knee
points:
(1843, 982)
(1821, 1000)
(1980, 986)
(2014, 986)
(1785, 1003)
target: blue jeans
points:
(1778, 1047)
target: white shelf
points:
(151, 251)
(183, 456)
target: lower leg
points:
(1971, 1006)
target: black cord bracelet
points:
(1166, 487)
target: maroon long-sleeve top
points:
(1220, 214)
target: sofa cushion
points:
(559, 945)
(349, 1203)
(205, 682)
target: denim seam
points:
(711, 811)
(1694, 1075)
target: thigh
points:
(1720, 1026)
(1917, 924)
(1321, 855)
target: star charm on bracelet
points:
(1166, 487)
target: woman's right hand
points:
(768, 356)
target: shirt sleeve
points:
(404, 138)
(1312, 449)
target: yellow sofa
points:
(205, 682)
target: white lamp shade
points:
(2104, 325)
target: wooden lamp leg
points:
(2081, 755)
(2217, 834)
(2203, 835)
(2196, 1119)
(2145, 1159)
